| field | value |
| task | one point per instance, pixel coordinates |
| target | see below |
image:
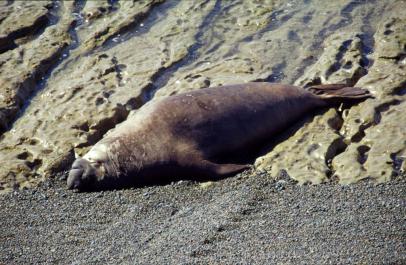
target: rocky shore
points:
(72, 70)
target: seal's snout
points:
(74, 178)
(76, 174)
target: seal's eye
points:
(96, 164)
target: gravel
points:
(247, 219)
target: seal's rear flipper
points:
(338, 93)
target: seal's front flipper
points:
(224, 170)
(230, 169)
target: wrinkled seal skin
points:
(182, 135)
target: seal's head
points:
(83, 174)
(86, 172)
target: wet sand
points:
(72, 77)
(242, 220)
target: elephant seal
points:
(185, 134)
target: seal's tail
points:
(338, 93)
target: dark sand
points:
(238, 220)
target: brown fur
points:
(185, 134)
